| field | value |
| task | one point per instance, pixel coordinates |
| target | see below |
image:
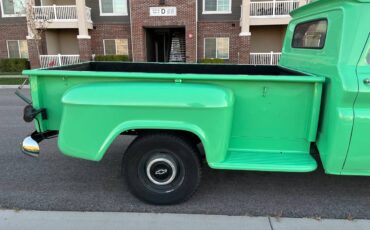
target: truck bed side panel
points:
(95, 114)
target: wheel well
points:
(189, 136)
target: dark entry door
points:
(159, 42)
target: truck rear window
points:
(310, 35)
(368, 58)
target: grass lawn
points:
(10, 73)
(11, 81)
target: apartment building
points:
(237, 31)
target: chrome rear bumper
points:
(30, 147)
(30, 144)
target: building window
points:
(113, 7)
(13, 8)
(17, 49)
(115, 46)
(216, 6)
(216, 48)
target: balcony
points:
(48, 61)
(59, 16)
(271, 58)
(272, 12)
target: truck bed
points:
(171, 68)
(273, 122)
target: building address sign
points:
(163, 11)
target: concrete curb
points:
(13, 86)
(45, 220)
(13, 76)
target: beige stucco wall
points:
(267, 38)
(58, 2)
(62, 41)
(52, 42)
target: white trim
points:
(9, 15)
(216, 12)
(131, 34)
(109, 14)
(242, 34)
(104, 45)
(7, 47)
(196, 32)
(204, 11)
(83, 37)
(271, 16)
(228, 47)
(112, 14)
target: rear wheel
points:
(162, 168)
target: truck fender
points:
(95, 114)
(155, 125)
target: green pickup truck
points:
(232, 117)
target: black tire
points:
(162, 168)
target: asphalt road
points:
(57, 182)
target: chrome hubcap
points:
(161, 170)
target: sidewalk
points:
(13, 86)
(40, 220)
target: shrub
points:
(14, 65)
(111, 58)
(212, 61)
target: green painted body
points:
(245, 122)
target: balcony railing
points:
(47, 61)
(271, 58)
(88, 14)
(273, 8)
(58, 13)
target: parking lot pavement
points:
(57, 182)
(14, 220)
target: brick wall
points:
(84, 46)
(244, 49)
(109, 31)
(186, 17)
(33, 53)
(11, 32)
(238, 46)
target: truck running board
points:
(267, 161)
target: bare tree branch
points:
(38, 20)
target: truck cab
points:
(340, 55)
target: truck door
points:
(358, 158)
